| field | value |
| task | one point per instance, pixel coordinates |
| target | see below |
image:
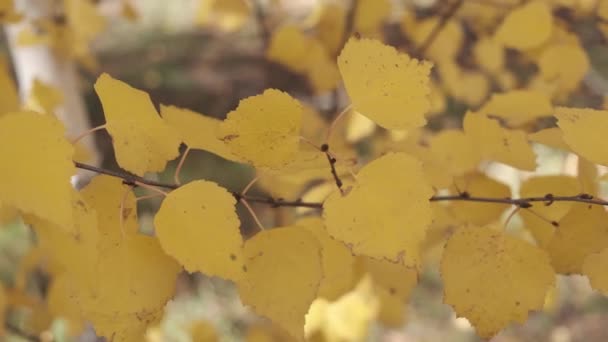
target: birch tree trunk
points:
(42, 63)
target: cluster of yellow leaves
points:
(290, 47)
(327, 276)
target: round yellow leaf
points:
(489, 54)
(552, 137)
(338, 261)
(527, 26)
(564, 65)
(518, 107)
(283, 273)
(594, 267)
(370, 14)
(142, 141)
(385, 85)
(36, 167)
(386, 213)
(264, 129)
(330, 28)
(584, 131)
(454, 152)
(290, 47)
(583, 231)
(493, 279)
(499, 144)
(197, 225)
(198, 131)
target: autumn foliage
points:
(363, 226)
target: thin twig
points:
(86, 133)
(252, 213)
(133, 180)
(523, 202)
(178, 169)
(332, 163)
(443, 20)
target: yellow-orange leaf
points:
(493, 279)
(36, 167)
(197, 225)
(385, 85)
(283, 273)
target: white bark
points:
(42, 63)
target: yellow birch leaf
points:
(264, 129)
(540, 222)
(9, 101)
(583, 130)
(552, 137)
(24, 156)
(290, 47)
(370, 14)
(323, 73)
(493, 279)
(74, 251)
(518, 107)
(44, 98)
(565, 65)
(393, 284)
(338, 262)
(499, 144)
(142, 141)
(135, 295)
(283, 273)
(189, 217)
(583, 231)
(196, 130)
(454, 152)
(587, 174)
(394, 224)
(594, 267)
(349, 318)
(446, 44)
(385, 85)
(61, 304)
(84, 19)
(478, 184)
(489, 54)
(330, 27)
(527, 26)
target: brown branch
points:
(332, 163)
(443, 20)
(523, 202)
(133, 180)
